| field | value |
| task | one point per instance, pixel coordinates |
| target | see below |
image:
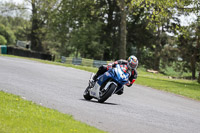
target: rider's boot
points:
(120, 92)
(102, 70)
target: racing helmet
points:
(132, 62)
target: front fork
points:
(91, 81)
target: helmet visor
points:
(133, 65)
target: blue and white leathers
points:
(115, 77)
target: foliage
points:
(187, 48)
(7, 34)
(3, 41)
(77, 15)
(94, 29)
(41, 10)
(86, 41)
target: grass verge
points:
(184, 88)
(21, 116)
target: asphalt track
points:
(139, 110)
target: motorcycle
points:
(107, 84)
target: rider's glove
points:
(109, 66)
(129, 84)
(115, 62)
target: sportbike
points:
(107, 84)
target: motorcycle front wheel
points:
(86, 94)
(107, 93)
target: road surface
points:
(139, 110)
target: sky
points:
(16, 1)
(185, 20)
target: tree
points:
(123, 32)
(111, 28)
(158, 15)
(76, 16)
(3, 41)
(41, 10)
(189, 48)
(191, 34)
(8, 34)
(19, 26)
(66, 19)
(86, 41)
(197, 52)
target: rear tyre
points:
(86, 94)
(105, 95)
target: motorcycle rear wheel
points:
(107, 93)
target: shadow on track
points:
(93, 101)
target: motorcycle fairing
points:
(95, 91)
(116, 74)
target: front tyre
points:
(105, 95)
(86, 94)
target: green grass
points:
(187, 88)
(20, 116)
(184, 88)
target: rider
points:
(131, 65)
